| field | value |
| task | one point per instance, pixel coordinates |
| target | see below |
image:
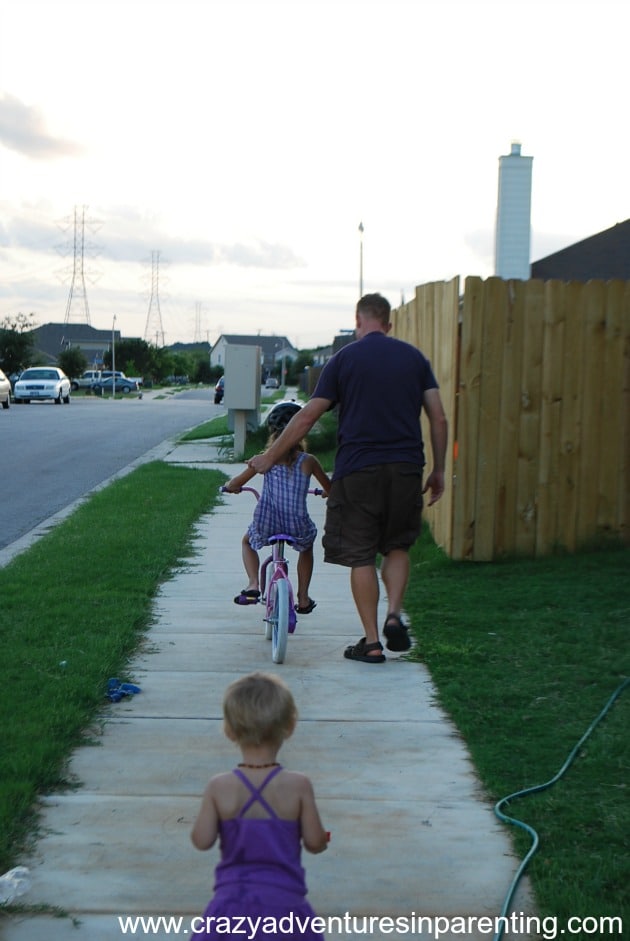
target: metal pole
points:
(113, 360)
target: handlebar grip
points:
(223, 489)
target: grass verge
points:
(322, 439)
(74, 608)
(525, 654)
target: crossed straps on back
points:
(257, 792)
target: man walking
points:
(380, 386)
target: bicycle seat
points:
(281, 537)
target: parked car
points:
(271, 383)
(92, 376)
(5, 390)
(219, 391)
(123, 384)
(42, 382)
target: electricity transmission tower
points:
(198, 322)
(154, 314)
(77, 308)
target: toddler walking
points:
(260, 875)
(282, 509)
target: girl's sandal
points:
(248, 596)
(307, 608)
(361, 652)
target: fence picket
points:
(536, 385)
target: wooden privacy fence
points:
(535, 379)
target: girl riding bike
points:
(282, 509)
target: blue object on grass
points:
(116, 690)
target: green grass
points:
(215, 428)
(321, 440)
(525, 654)
(74, 608)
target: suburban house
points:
(53, 338)
(274, 350)
(604, 256)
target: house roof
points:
(52, 338)
(603, 256)
(270, 345)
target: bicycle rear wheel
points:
(279, 619)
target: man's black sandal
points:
(396, 633)
(361, 652)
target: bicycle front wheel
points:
(279, 620)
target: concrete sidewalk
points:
(412, 833)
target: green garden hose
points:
(535, 790)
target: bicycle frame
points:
(276, 593)
(280, 567)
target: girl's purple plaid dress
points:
(282, 507)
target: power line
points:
(154, 314)
(77, 307)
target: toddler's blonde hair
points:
(259, 709)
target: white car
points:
(5, 390)
(42, 382)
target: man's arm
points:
(298, 428)
(439, 439)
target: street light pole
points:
(360, 259)
(113, 359)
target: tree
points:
(16, 342)
(203, 373)
(296, 367)
(135, 357)
(72, 361)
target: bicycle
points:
(280, 618)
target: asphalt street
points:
(53, 455)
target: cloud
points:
(129, 236)
(138, 246)
(23, 129)
(260, 255)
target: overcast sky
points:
(245, 140)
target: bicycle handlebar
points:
(233, 492)
(317, 491)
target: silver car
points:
(42, 382)
(5, 390)
(123, 385)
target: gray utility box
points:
(242, 391)
(242, 377)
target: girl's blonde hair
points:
(291, 456)
(259, 710)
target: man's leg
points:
(350, 537)
(395, 575)
(365, 591)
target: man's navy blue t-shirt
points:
(378, 383)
